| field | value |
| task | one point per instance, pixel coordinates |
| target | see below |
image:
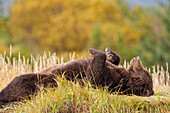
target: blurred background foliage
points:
(63, 26)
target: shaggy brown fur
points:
(135, 80)
(101, 71)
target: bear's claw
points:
(109, 54)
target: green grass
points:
(72, 97)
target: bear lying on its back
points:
(101, 70)
(134, 80)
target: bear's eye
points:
(135, 79)
(144, 86)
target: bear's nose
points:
(137, 57)
(152, 93)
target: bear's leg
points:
(112, 56)
(96, 67)
(94, 53)
(24, 86)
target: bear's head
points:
(140, 80)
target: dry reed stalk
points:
(10, 67)
(167, 76)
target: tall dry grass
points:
(72, 97)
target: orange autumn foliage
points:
(66, 25)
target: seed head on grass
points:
(73, 97)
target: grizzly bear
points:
(101, 71)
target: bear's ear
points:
(136, 64)
(146, 93)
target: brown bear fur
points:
(135, 79)
(100, 71)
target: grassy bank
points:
(72, 97)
